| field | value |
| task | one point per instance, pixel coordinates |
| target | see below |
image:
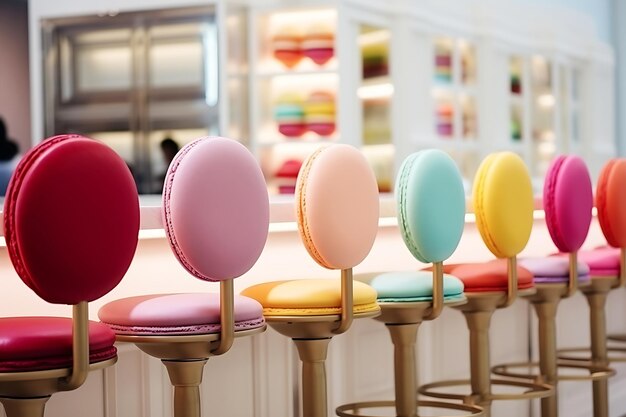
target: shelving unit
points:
(452, 85)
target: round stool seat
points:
(552, 269)
(171, 314)
(602, 262)
(310, 297)
(412, 286)
(44, 343)
(488, 276)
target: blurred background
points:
(537, 77)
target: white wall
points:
(598, 10)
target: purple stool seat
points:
(553, 269)
(177, 314)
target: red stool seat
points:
(44, 343)
(488, 276)
(171, 314)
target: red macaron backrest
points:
(71, 219)
(611, 202)
(567, 202)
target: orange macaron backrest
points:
(611, 202)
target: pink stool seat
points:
(603, 262)
(553, 269)
(44, 343)
(171, 314)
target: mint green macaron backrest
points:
(431, 205)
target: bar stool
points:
(567, 201)
(216, 218)
(337, 214)
(71, 223)
(607, 273)
(431, 215)
(503, 204)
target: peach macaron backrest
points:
(216, 208)
(337, 206)
(611, 202)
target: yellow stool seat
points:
(309, 297)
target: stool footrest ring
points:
(617, 337)
(596, 372)
(354, 409)
(534, 390)
(619, 354)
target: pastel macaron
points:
(319, 113)
(431, 205)
(286, 46)
(503, 202)
(289, 115)
(337, 206)
(215, 208)
(287, 175)
(318, 43)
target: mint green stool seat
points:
(413, 286)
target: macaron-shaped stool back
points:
(503, 206)
(216, 219)
(607, 272)
(567, 203)
(430, 204)
(71, 224)
(337, 207)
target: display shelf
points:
(297, 72)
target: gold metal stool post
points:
(478, 312)
(403, 319)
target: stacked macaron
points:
(318, 43)
(444, 117)
(286, 46)
(443, 64)
(289, 115)
(287, 175)
(375, 58)
(319, 113)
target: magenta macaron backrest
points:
(71, 219)
(216, 208)
(568, 201)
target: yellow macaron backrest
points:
(503, 203)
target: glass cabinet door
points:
(141, 82)
(543, 114)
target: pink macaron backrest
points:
(568, 201)
(216, 208)
(71, 219)
(337, 206)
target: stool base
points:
(354, 409)
(533, 390)
(596, 373)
